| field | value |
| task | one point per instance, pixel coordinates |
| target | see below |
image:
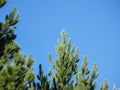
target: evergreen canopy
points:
(16, 72)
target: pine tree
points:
(66, 68)
(85, 81)
(65, 65)
(16, 71)
(104, 86)
(7, 36)
(44, 83)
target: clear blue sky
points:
(93, 26)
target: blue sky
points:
(93, 26)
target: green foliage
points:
(65, 65)
(104, 86)
(85, 81)
(2, 2)
(8, 51)
(44, 83)
(7, 35)
(66, 68)
(16, 72)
